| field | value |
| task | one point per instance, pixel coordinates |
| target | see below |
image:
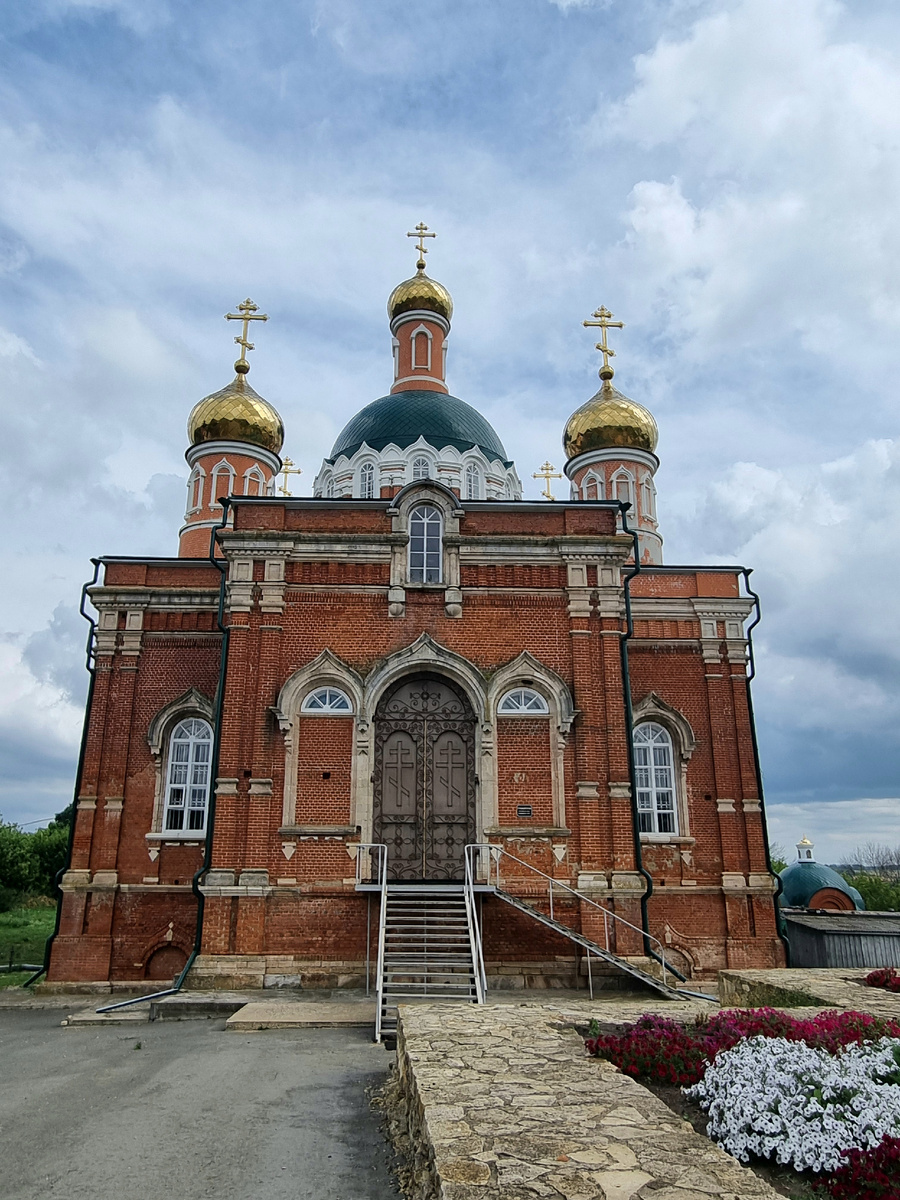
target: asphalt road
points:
(194, 1112)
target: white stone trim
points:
(245, 449)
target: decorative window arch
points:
(473, 482)
(195, 489)
(222, 469)
(329, 488)
(421, 468)
(426, 550)
(367, 481)
(187, 777)
(654, 761)
(420, 345)
(523, 702)
(592, 487)
(327, 701)
(648, 497)
(254, 482)
(622, 486)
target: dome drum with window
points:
(655, 779)
(187, 780)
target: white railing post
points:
(475, 943)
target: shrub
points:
(657, 1048)
(884, 977)
(800, 1104)
(867, 1174)
(878, 893)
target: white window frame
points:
(422, 330)
(195, 489)
(417, 468)
(648, 497)
(328, 490)
(592, 480)
(622, 476)
(367, 481)
(523, 701)
(431, 569)
(473, 482)
(327, 701)
(181, 794)
(657, 790)
(223, 467)
(254, 474)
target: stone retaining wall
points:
(829, 987)
(502, 1103)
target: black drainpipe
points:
(79, 770)
(213, 774)
(751, 674)
(629, 737)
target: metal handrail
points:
(495, 853)
(375, 855)
(474, 932)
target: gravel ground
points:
(184, 1109)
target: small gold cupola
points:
(420, 293)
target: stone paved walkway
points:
(503, 1104)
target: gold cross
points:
(603, 322)
(547, 472)
(245, 313)
(421, 232)
(288, 469)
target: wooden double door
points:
(424, 779)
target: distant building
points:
(808, 884)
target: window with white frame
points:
(222, 482)
(623, 487)
(422, 349)
(327, 700)
(473, 482)
(187, 777)
(522, 702)
(421, 468)
(195, 489)
(655, 774)
(648, 497)
(425, 544)
(254, 482)
(593, 488)
(329, 488)
(367, 481)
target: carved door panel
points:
(425, 779)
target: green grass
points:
(14, 978)
(23, 932)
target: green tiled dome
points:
(403, 417)
(801, 880)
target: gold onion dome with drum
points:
(609, 419)
(420, 292)
(237, 413)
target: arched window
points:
(421, 468)
(329, 488)
(648, 495)
(623, 487)
(195, 489)
(222, 482)
(425, 549)
(367, 481)
(254, 482)
(523, 702)
(655, 773)
(473, 482)
(327, 700)
(421, 348)
(593, 488)
(187, 778)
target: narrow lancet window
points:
(425, 544)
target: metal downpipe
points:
(220, 565)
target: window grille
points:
(187, 781)
(421, 468)
(425, 548)
(327, 700)
(367, 481)
(329, 488)
(655, 776)
(525, 701)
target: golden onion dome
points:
(236, 414)
(608, 420)
(420, 292)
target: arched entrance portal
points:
(424, 793)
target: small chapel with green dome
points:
(414, 731)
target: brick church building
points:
(418, 658)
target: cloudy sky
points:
(723, 174)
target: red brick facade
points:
(316, 594)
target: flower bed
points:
(820, 1095)
(884, 977)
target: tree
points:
(50, 848)
(877, 858)
(18, 867)
(778, 855)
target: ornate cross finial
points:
(288, 468)
(246, 313)
(603, 321)
(547, 472)
(421, 232)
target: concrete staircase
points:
(427, 948)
